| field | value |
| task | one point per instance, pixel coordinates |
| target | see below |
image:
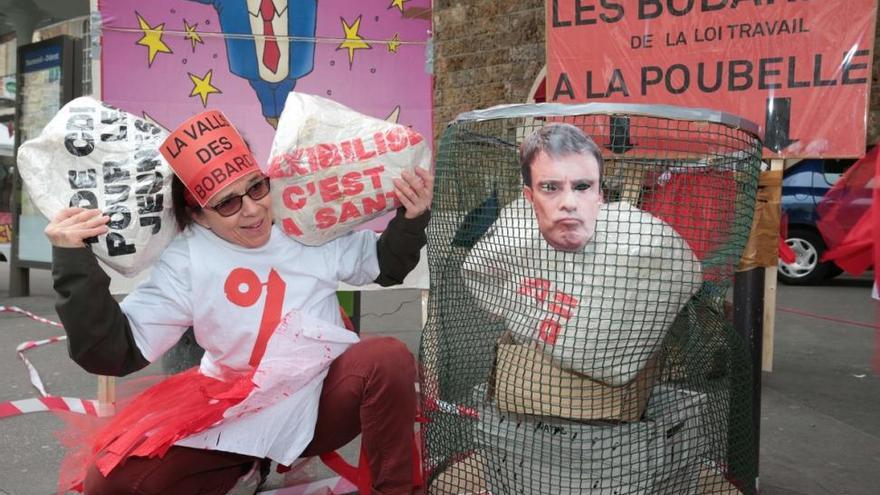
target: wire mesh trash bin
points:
(600, 367)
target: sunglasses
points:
(232, 205)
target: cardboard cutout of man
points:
(271, 65)
(562, 173)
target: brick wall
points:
(874, 102)
(486, 52)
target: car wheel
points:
(808, 248)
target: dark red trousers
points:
(368, 390)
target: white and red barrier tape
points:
(327, 486)
(51, 403)
(36, 381)
(433, 404)
(46, 402)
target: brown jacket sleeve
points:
(399, 246)
(99, 335)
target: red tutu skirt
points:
(175, 408)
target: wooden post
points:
(770, 299)
(424, 293)
(106, 395)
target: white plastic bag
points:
(332, 168)
(92, 155)
(602, 311)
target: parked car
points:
(803, 186)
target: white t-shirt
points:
(225, 292)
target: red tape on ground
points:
(47, 402)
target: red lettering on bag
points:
(287, 165)
(325, 218)
(535, 287)
(392, 197)
(328, 155)
(348, 153)
(287, 196)
(349, 211)
(396, 139)
(563, 304)
(379, 139)
(329, 187)
(362, 154)
(351, 184)
(374, 175)
(414, 137)
(549, 331)
(290, 227)
(373, 205)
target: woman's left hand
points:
(415, 191)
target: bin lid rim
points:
(646, 110)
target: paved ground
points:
(820, 431)
(820, 416)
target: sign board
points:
(48, 78)
(7, 88)
(800, 69)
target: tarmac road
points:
(821, 404)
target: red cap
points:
(208, 154)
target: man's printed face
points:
(566, 197)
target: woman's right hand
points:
(72, 226)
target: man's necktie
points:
(271, 53)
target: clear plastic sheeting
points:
(605, 368)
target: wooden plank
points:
(631, 176)
(106, 395)
(770, 299)
(713, 482)
(632, 188)
(424, 299)
(769, 318)
(465, 477)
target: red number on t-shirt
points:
(244, 288)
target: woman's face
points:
(251, 226)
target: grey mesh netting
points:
(607, 370)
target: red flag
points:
(875, 207)
(786, 253)
(849, 218)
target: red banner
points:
(800, 69)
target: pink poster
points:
(170, 59)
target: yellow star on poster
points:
(394, 43)
(353, 40)
(152, 38)
(398, 4)
(192, 35)
(202, 86)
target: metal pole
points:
(19, 276)
(748, 321)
